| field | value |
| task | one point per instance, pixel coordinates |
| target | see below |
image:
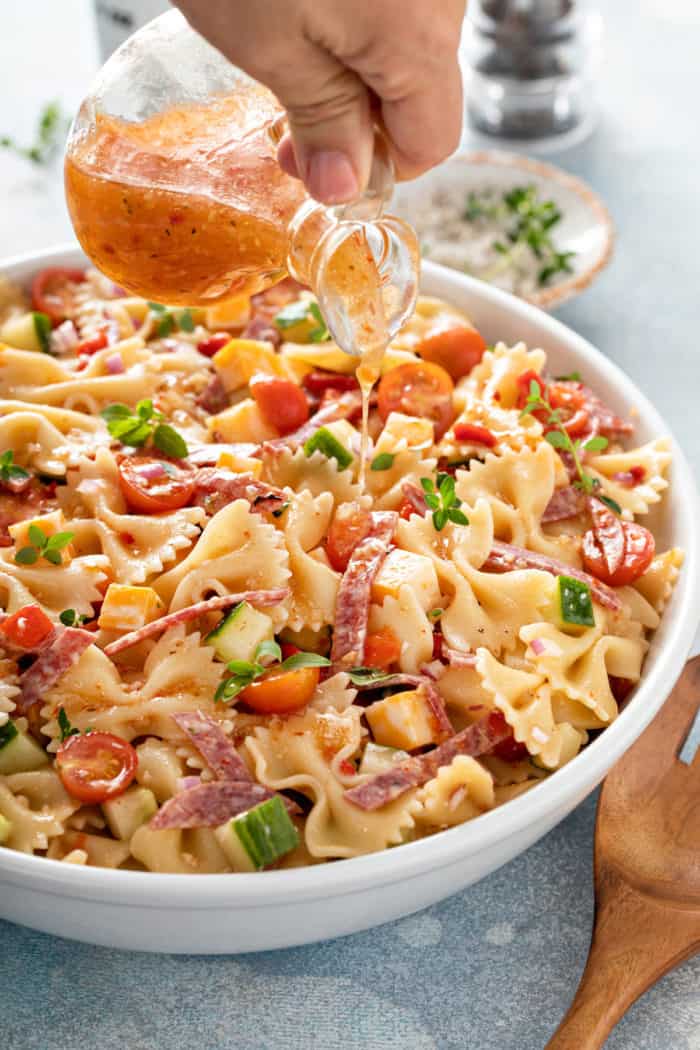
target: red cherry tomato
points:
(283, 404)
(349, 527)
(570, 399)
(407, 509)
(470, 433)
(27, 627)
(382, 649)
(422, 389)
(213, 344)
(456, 349)
(95, 767)
(53, 291)
(523, 382)
(281, 692)
(318, 382)
(614, 551)
(289, 649)
(151, 490)
(88, 347)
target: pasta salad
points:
(228, 645)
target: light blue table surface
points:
(494, 967)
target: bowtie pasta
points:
(225, 646)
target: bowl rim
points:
(558, 793)
(563, 290)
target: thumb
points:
(331, 127)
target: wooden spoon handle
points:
(635, 941)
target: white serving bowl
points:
(239, 913)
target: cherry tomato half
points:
(318, 382)
(523, 383)
(570, 399)
(613, 558)
(53, 291)
(382, 649)
(152, 485)
(281, 692)
(349, 527)
(213, 344)
(456, 349)
(421, 389)
(95, 767)
(88, 347)
(283, 404)
(27, 627)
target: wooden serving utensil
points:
(647, 873)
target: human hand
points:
(340, 66)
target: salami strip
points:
(213, 398)
(355, 591)
(215, 489)
(427, 685)
(209, 805)
(213, 745)
(476, 739)
(413, 495)
(191, 612)
(51, 664)
(565, 503)
(338, 408)
(603, 419)
(261, 328)
(505, 557)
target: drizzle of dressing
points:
(367, 375)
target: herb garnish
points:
(69, 618)
(169, 319)
(384, 461)
(136, 428)
(9, 471)
(43, 546)
(325, 442)
(443, 501)
(50, 132)
(303, 311)
(529, 223)
(559, 438)
(572, 377)
(65, 727)
(364, 676)
(244, 672)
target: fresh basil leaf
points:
(440, 519)
(144, 409)
(596, 444)
(68, 618)
(268, 648)
(26, 556)
(157, 308)
(367, 675)
(572, 377)
(458, 517)
(116, 411)
(610, 503)
(186, 321)
(432, 501)
(556, 439)
(53, 556)
(59, 540)
(293, 314)
(242, 667)
(167, 439)
(37, 536)
(297, 660)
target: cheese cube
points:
(404, 569)
(403, 720)
(49, 524)
(127, 608)
(242, 422)
(402, 431)
(241, 359)
(239, 464)
(329, 357)
(233, 313)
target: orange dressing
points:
(189, 207)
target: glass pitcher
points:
(174, 191)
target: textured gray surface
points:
(494, 967)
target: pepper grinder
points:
(530, 68)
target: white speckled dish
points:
(277, 909)
(586, 227)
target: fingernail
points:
(331, 177)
